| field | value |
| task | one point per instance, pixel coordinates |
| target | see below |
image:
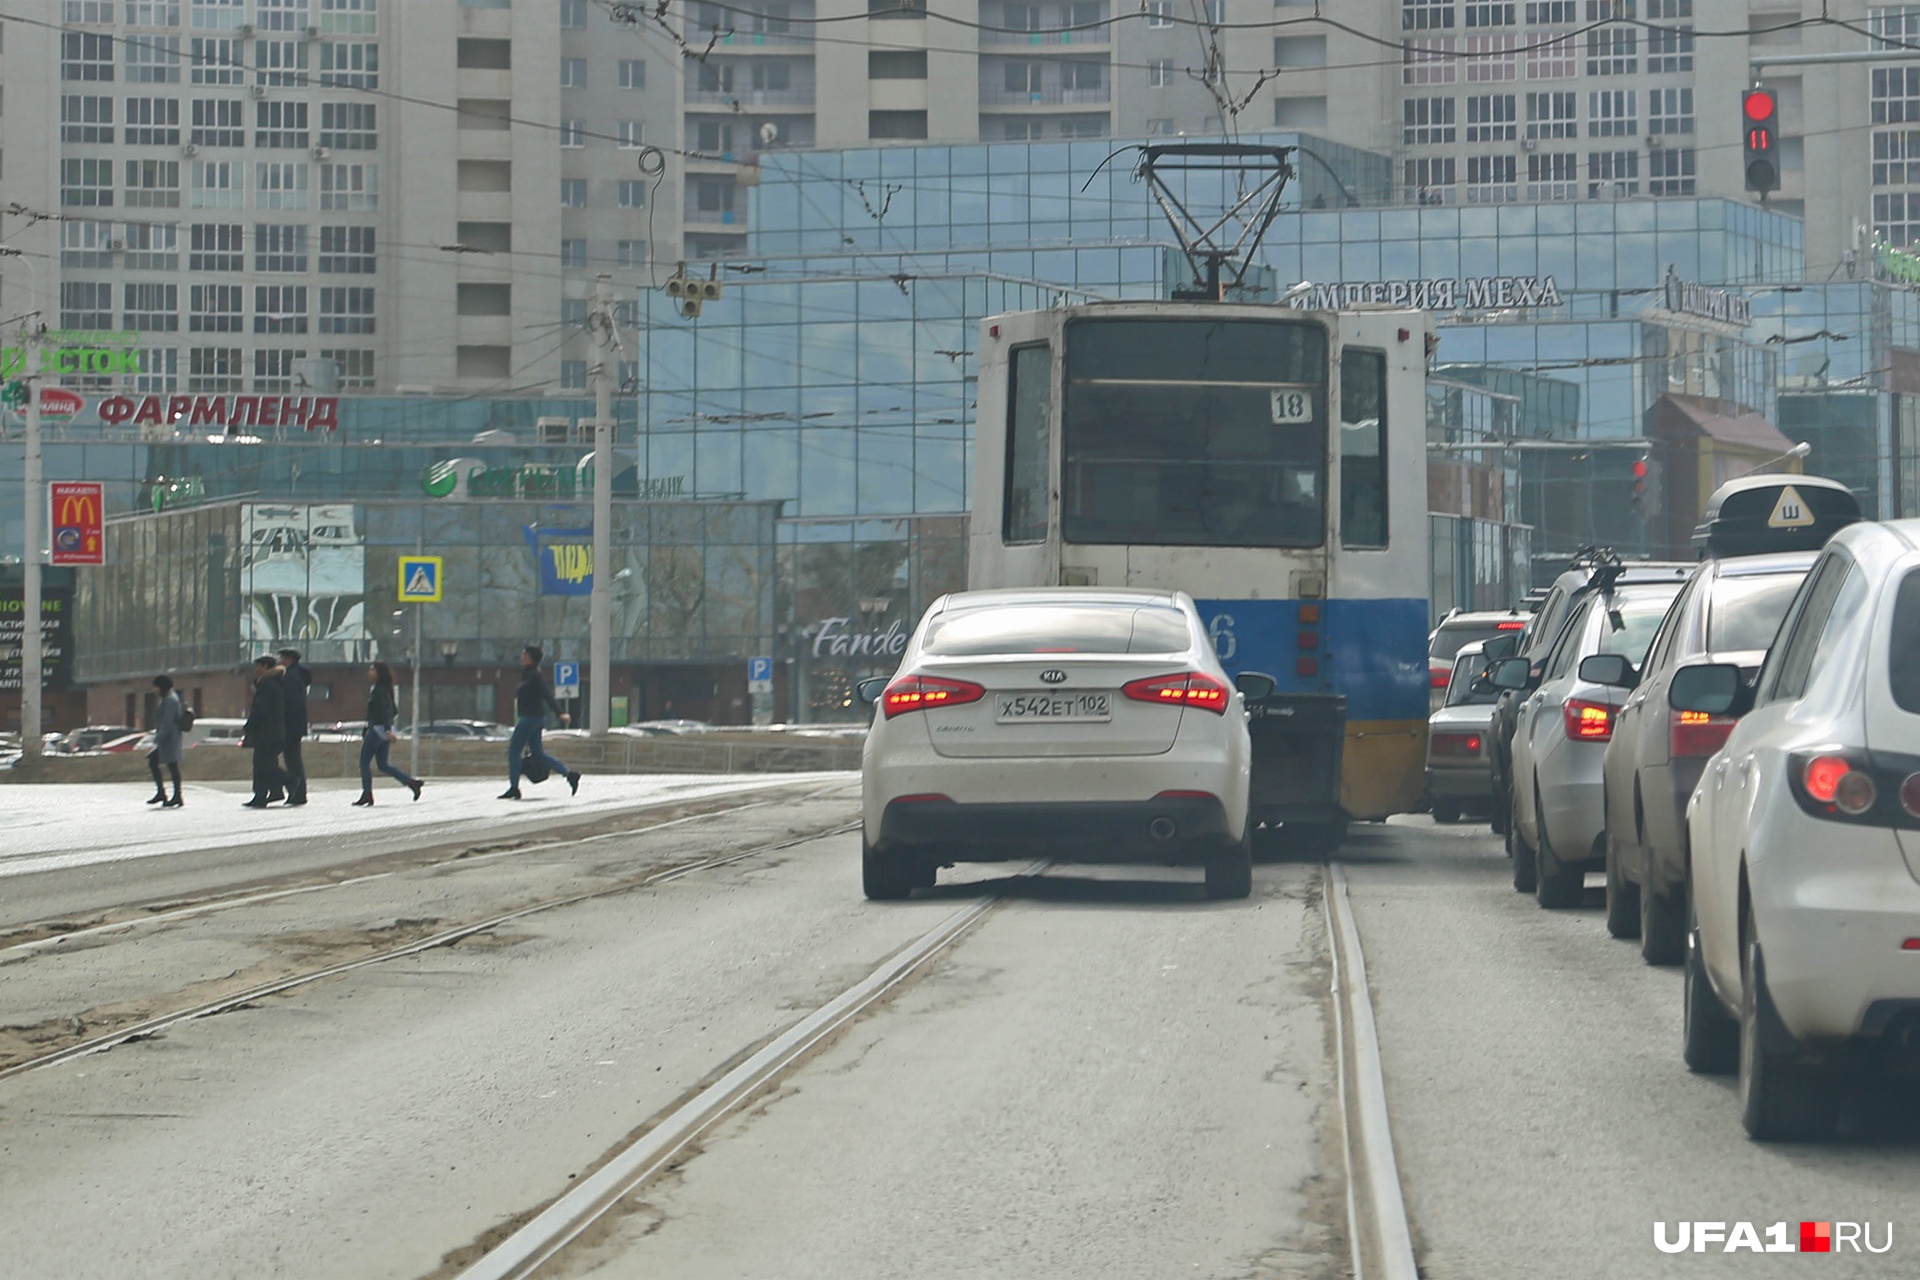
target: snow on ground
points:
(60, 826)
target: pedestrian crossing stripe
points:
(420, 579)
(1790, 512)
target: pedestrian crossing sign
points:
(420, 579)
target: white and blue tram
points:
(1269, 462)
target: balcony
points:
(1094, 39)
(1053, 96)
(747, 41)
(798, 98)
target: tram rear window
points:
(1195, 432)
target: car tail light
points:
(1833, 780)
(1456, 744)
(1910, 795)
(1512, 624)
(1852, 786)
(1695, 733)
(1182, 689)
(919, 693)
(1587, 721)
(1437, 676)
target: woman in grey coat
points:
(168, 723)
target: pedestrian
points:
(266, 730)
(168, 723)
(382, 711)
(531, 702)
(298, 680)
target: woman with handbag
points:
(381, 713)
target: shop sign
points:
(58, 402)
(1728, 306)
(180, 491)
(56, 607)
(78, 521)
(71, 351)
(1476, 293)
(832, 637)
(565, 558)
(314, 413)
(472, 478)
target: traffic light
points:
(690, 294)
(1641, 466)
(1760, 127)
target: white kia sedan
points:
(1086, 725)
(1803, 964)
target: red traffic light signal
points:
(1639, 468)
(1759, 104)
(1761, 133)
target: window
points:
(86, 304)
(281, 124)
(83, 243)
(1896, 95)
(1613, 173)
(355, 64)
(1611, 51)
(477, 54)
(1903, 655)
(1492, 179)
(1428, 61)
(1670, 172)
(85, 56)
(86, 118)
(349, 188)
(1490, 118)
(573, 375)
(217, 122)
(1300, 51)
(215, 246)
(217, 184)
(273, 368)
(153, 122)
(715, 77)
(1552, 13)
(1550, 59)
(1426, 15)
(214, 308)
(714, 196)
(356, 368)
(1896, 158)
(280, 186)
(346, 251)
(152, 59)
(573, 193)
(573, 73)
(1029, 404)
(1611, 114)
(150, 308)
(1491, 57)
(1430, 179)
(86, 183)
(1551, 115)
(152, 246)
(631, 253)
(346, 310)
(1363, 448)
(1896, 218)
(280, 63)
(483, 299)
(573, 133)
(159, 372)
(213, 369)
(633, 135)
(153, 184)
(633, 193)
(280, 246)
(573, 312)
(573, 254)
(1669, 49)
(1553, 176)
(280, 15)
(280, 308)
(1160, 72)
(1159, 14)
(1489, 15)
(897, 124)
(1427, 121)
(573, 15)
(1894, 27)
(903, 64)
(1669, 112)
(216, 60)
(1791, 657)
(633, 73)
(714, 137)
(218, 15)
(349, 126)
(96, 12)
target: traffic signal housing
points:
(1760, 129)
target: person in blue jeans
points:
(378, 739)
(531, 702)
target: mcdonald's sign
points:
(77, 518)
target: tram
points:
(1269, 462)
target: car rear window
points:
(1905, 651)
(1467, 689)
(1048, 628)
(1449, 641)
(1745, 613)
(1632, 618)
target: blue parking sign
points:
(566, 679)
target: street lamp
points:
(1800, 450)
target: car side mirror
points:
(1712, 688)
(1511, 673)
(1255, 686)
(870, 689)
(1610, 669)
(1502, 646)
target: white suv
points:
(1089, 725)
(1804, 960)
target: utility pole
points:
(599, 620)
(33, 501)
(413, 748)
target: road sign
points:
(78, 521)
(759, 675)
(421, 579)
(566, 679)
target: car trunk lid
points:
(1053, 705)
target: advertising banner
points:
(303, 578)
(56, 650)
(77, 519)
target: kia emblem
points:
(1053, 675)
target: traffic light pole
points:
(33, 502)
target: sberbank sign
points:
(471, 478)
(76, 351)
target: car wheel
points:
(1780, 1100)
(1497, 811)
(1623, 897)
(1446, 811)
(1524, 867)
(1230, 871)
(884, 876)
(1556, 888)
(1663, 924)
(1709, 1035)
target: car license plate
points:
(1052, 708)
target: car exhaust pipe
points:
(1163, 828)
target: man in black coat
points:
(297, 680)
(266, 729)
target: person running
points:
(378, 739)
(266, 730)
(297, 680)
(531, 702)
(168, 723)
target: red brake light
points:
(1823, 776)
(1181, 689)
(1833, 780)
(1456, 744)
(1587, 721)
(918, 693)
(1516, 624)
(1438, 676)
(1695, 733)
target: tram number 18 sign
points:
(77, 518)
